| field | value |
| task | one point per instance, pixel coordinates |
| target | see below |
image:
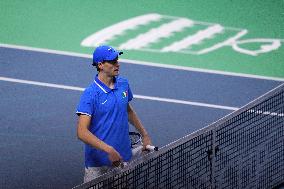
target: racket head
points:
(135, 138)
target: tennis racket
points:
(136, 138)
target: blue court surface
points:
(39, 93)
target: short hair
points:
(97, 66)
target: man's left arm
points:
(134, 120)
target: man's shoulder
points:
(91, 89)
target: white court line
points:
(66, 53)
(135, 96)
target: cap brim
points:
(114, 55)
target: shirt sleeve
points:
(86, 104)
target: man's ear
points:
(100, 65)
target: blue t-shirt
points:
(109, 119)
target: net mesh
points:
(242, 150)
(251, 146)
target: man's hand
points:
(114, 157)
(146, 141)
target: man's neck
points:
(108, 81)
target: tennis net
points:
(245, 149)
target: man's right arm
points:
(87, 137)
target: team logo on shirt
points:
(124, 94)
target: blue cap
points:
(103, 53)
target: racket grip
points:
(119, 164)
(152, 148)
(116, 163)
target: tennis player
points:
(104, 112)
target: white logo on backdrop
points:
(162, 33)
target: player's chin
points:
(116, 72)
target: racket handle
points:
(149, 148)
(116, 163)
(152, 148)
(119, 164)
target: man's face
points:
(110, 68)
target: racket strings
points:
(135, 138)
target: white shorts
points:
(94, 172)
